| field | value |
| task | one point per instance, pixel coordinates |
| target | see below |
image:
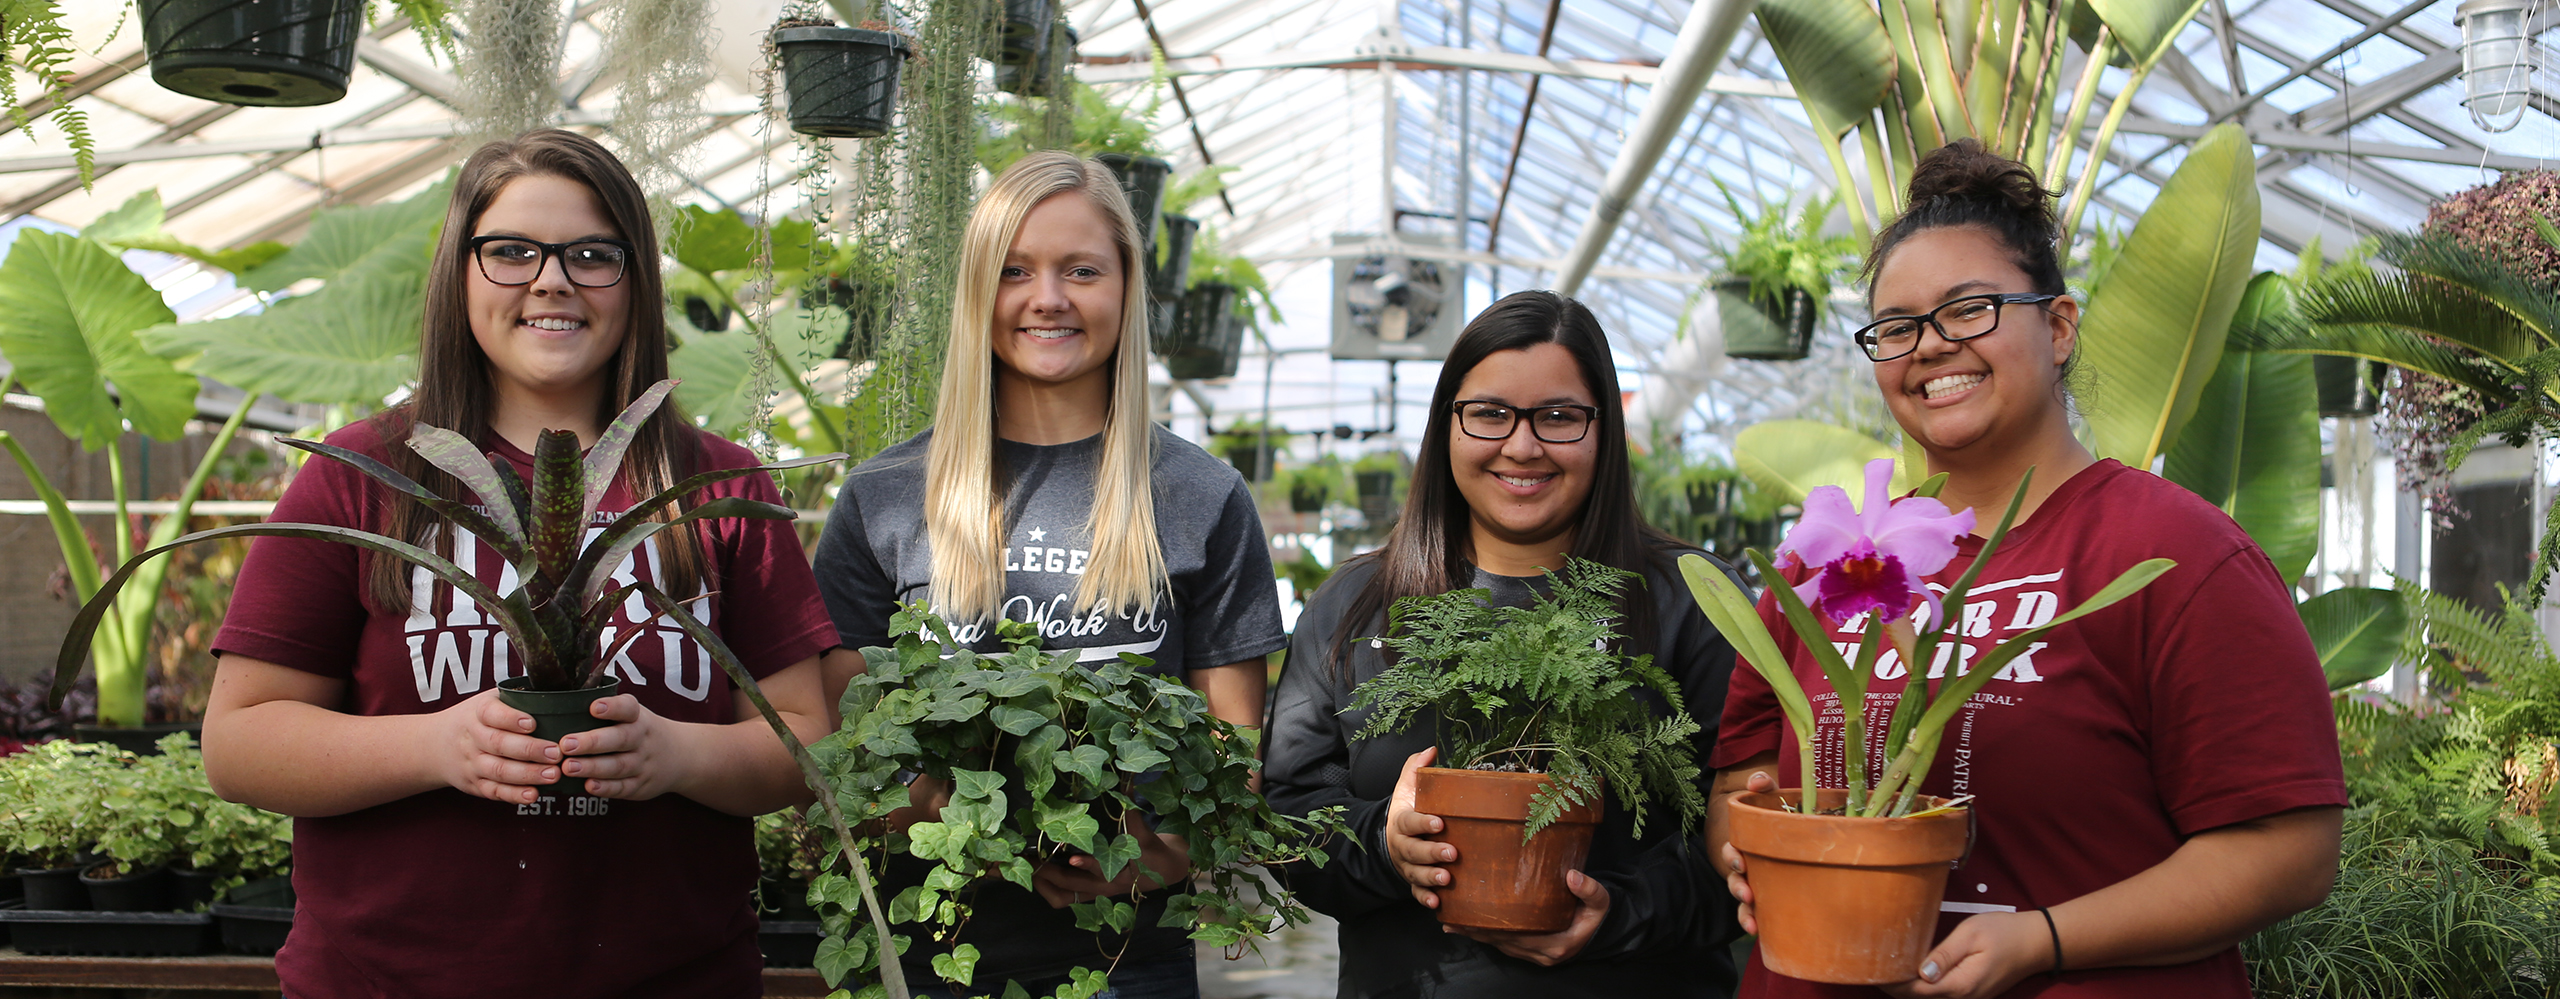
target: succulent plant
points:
(566, 594)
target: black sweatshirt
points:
(1669, 919)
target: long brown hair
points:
(1428, 550)
(454, 386)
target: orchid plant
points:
(1870, 563)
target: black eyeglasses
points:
(515, 260)
(1493, 421)
(1956, 321)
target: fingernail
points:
(1929, 970)
(550, 774)
(552, 754)
(568, 744)
(526, 724)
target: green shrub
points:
(2412, 918)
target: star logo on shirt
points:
(1039, 534)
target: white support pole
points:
(1704, 37)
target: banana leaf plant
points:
(1869, 564)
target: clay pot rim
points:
(1520, 783)
(1796, 837)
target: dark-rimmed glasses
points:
(515, 260)
(1486, 420)
(1956, 321)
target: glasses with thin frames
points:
(515, 260)
(1956, 321)
(1493, 421)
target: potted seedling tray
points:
(256, 917)
(110, 934)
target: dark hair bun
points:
(1964, 169)
(1962, 184)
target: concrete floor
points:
(1299, 963)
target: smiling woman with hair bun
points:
(2151, 784)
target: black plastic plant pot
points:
(1208, 337)
(1374, 485)
(53, 888)
(1759, 330)
(558, 713)
(144, 741)
(786, 900)
(1251, 460)
(191, 889)
(842, 82)
(1168, 279)
(267, 893)
(1305, 498)
(1142, 180)
(258, 53)
(1032, 79)
(250, 929)
(1025, 25)
(2346, 385)
(112, 934)
(146, 890)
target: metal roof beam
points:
(2338, 113)
(1704, 37)
(159, 151)
(1128, 69)
(2314, 142)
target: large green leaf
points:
(353, 342)
(715, 374)
(2357, 632)
(1790, 458)
(2146, 28)
(2253, 447)
(1837, 55)
(397, 237)
(68, 312)
(710, 241)
(135, 225)
(2154, 332)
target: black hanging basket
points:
(258, 53)
(1032, 79)
(843, 82)
(1308, 497)
(1024, 28)
(2348, 385)
(1207, 338)
(1759, 330)
(1166, 280)
(1142, 180)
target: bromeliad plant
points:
(1868, 564)
(1539, 689)
(555, 615)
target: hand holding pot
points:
(1413, 855)
(1983, 956)
(632, 758)
(1734, 880)
(1162, 860)
(485, 748)
(1591, 905)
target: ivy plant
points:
(1047, 755)
(1540, 688)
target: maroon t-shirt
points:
(2196, 703)
(445, 894)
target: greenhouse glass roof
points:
(1508, 115)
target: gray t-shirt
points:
(1220, 606)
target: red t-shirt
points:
(445, 894)
(2196, 703)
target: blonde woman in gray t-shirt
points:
(1044, 494)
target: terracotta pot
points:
(1847, 901)
(1498, 882)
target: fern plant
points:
(1540, 688)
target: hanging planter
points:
(1032, 79)
(1142, 179)
(1207, 337)
(1167, 279)
(842, 82)
(1760, 330)
(1308, 497)
(1500, 882)
(257, 53)
(1841, 899)
(1024, 28)
(2346, 385)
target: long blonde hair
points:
(964, 508)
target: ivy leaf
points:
(977, 785)
(1016, 721)
(1015, 685)
(958, 966)
(840, 956)
(1071, 824)
(928, 839)
(1086, 761)
(1137, 756)
(1116, 855)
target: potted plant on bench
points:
(1846, 881)
(1535, 715)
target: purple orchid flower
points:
(1872, 559)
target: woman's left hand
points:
(1591, 905)
(631, 759)
(1984, 956)
(1162, 860)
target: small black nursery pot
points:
(145, 890)
(558, 713)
